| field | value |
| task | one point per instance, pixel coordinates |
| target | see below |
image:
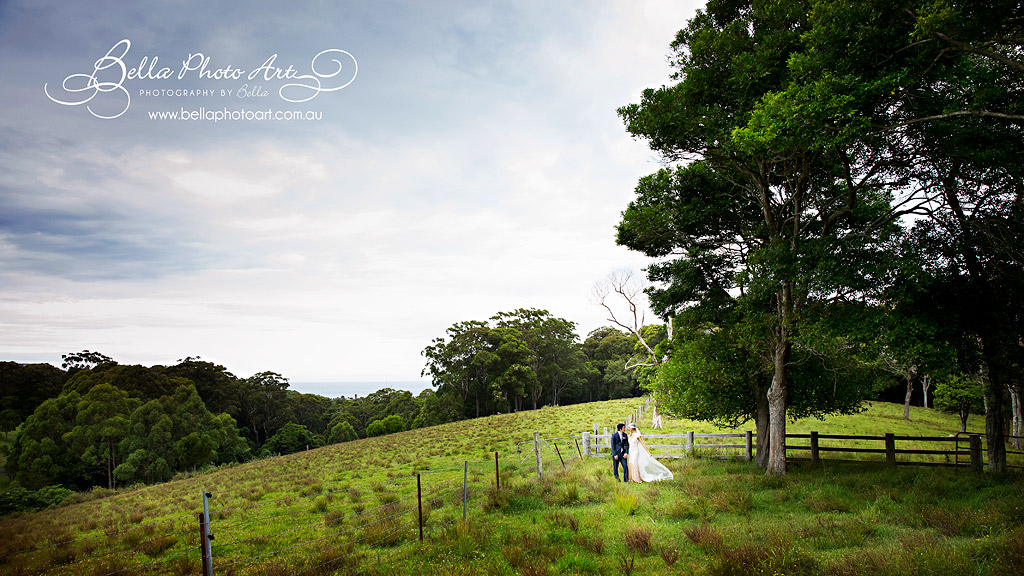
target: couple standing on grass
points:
(637, 463)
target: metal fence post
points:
(536, 448)
(465, 487)
(497, 476)
(419, 504)
(205, 535)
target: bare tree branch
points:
(621, 282)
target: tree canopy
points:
(799, 136)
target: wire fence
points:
(319, 531)
(313, 532)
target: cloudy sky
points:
(472, 163)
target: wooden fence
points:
(957, 450)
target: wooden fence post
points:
(976, 460)
(749, 438)
(536, 449)
(890, 448)
(419, 504)
(207, 568)
(689, 442)
(586, 443)
(814, 448)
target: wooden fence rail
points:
(965, 449)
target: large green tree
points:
(527, 355)
(830, 119)
(101, 423)
(608, 350)
(23, 387)
(263, 404)
(951, 126)
(772, 206)
(556, 356)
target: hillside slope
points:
(333, 499)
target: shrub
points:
(704, 536)
(590, 543)
(669, 555)
(638, 539)
(17, 499)
(289, 439)
(389, 425)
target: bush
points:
(342, 432)
(289, 439)
(389, 425)
(17, 499)
(638, 539)
(51, 496)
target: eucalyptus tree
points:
(557, 359)
(608, 352)
(461, 362)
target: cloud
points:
(475, 165)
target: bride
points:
(642, 465)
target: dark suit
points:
(620, 448)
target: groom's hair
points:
(620, 426)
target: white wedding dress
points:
(643, 464)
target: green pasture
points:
(351, 509)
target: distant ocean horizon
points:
(353, 389)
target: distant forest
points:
(94, 422)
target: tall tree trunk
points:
(1017, 442)
(994, 424)
(994, 345)
(777, 401)
(906, 400)
(991, 329)
(761, 423)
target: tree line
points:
(841, 196)
(94, 422)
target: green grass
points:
(317, 510)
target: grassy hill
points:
(352, 508)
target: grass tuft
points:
(638, 539)
(704, 536)
(627, 500)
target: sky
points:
(352, 177)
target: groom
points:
(620, 451)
